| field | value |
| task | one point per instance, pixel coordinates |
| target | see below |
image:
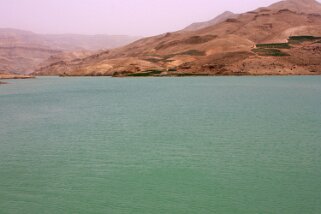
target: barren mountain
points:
(22, 51)
(283, 38)
(219, 19)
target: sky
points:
(115, 17)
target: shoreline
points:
(15, 76)
(183, 75)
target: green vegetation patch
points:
(199, 39)
(146, 73)
(269, 52)
(271, 49)
(300, 39)
(191, 74)
(166, 57)
(193, 53)
(156, 60)
(274, 45)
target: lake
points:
(224, 145)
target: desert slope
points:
(231, 47)
(23, 51)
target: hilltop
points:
(219, 19)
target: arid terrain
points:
(24, 51)
(281, 39)
(14, 76)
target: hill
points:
(22, 51)
(283, 39)
(219, 19)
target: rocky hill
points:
(282, 39)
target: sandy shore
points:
(15, 76)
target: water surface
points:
(224, 145)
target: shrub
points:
(274, 45)
(193, 53)
(269, 52)
(145, 73)
(154, 60)
(300, 39)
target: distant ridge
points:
(22, 51)
(16, 37)
(219, 19)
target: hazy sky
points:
(130, 17)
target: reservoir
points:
(227, 145)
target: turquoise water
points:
(221, 145)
